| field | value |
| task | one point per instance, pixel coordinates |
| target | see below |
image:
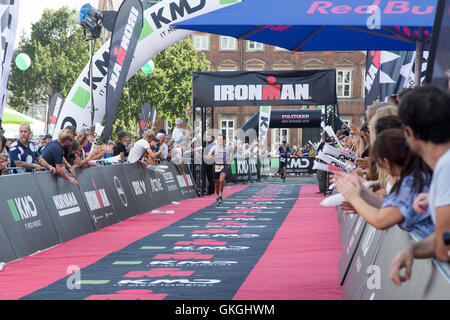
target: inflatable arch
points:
(157, 35)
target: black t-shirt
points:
(53, 153)
(119, 149)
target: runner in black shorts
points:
(220, 154)
(284, 152)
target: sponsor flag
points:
(124, 39)
(54, 108)
(9, 15)
(145, 117)
(372, 77)
(397, 71)
(264, 122)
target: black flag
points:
(54, 109)
(145, 117)
(124, 39)
(372, 77)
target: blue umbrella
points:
(308, 25)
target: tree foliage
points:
(58, 54)
(168, 87)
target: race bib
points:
(219, 168)
(282, 159)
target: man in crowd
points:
(425, 114)
(46, 139)
(162, 146)
(54, 155)
(142, 152)
(23, 153)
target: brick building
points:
(230, 54)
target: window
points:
(344, 83)
(227, 43)
(278, 135)
(228, 65)
(254, 46)
(283, 65)
(201, 43)
(227, 128)
(254, 65)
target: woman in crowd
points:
(120, 148)
(412, 177)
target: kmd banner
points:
(259, 88)
(157, 34)
(9, 15)
(124, 39)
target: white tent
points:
(11, 122)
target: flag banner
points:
(145, 117)
(157, 34)
(154, 116)
(124, 40)
(9, 16)
(372, 77)
(397, 71)
(438, 72)
(264, 121)
(256, 88)
(54, 108)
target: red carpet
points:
(22, 277)
(301, 263)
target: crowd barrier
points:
(253, 169)
(366, 258)
(40, 210)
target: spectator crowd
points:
(401, 175)
(402, 172)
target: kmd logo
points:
(301, 163)
(120, 191)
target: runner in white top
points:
(222, 156)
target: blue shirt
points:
(403, 200)
(53, 153)
(281, 150)
(19, 152)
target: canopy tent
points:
(13, 119)
(310, 25)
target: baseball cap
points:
(284, 141)
(48, 136)
(160, 135)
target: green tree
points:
(169, 86)
(58, 54)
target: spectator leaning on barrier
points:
(47, 138)
(142, 149)
(413, 177)
(23, 153)
(162, 146)
(425, 112)
(3, 147)
(54, 155)
(4, 157)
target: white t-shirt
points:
(138, 150)
(439, 195)
(177, 135)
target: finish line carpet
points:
(270, 242)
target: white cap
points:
(160, 135)
(178, 121)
